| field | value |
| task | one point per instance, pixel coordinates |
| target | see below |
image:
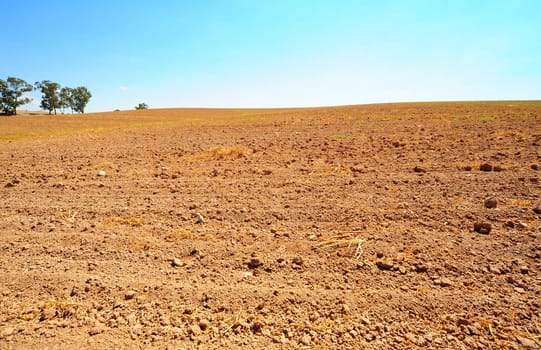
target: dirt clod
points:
(491, 203)
(482, 227)
(485, 167)
(203, 324)
(254, 263)
(385, 264)
(298, 260)
(257, 327)
(130, 294)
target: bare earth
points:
(332, 228)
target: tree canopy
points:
(80, 96)
(50, 100)
(12, 94)
(3, 86)
(141, 106)
(66, 98)
(53, 96)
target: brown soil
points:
(346, 227)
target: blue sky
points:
(250, 53)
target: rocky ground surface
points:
(392, 226)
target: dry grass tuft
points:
(342, 241)
(60, 309)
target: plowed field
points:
(389, 226)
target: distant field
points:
(33, 124)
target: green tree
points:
(50, 91)
(81, 96)
(3, 87)
(141, 106)
(12, 94)
(66, 99)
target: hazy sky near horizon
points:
(248, 53)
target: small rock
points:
(130, 294)
(443, 282)
(522, 225)
(254, 263)
(537, 208)
(247, 274)
(497, 168)
(298, 261)
(96, 330)
(482, 227)
(365, 320)
(9, 184)
(200, 219)
(306, 340)
(102, 173)
(524, 269)
(384, 264)
(314, 316)
(204, 324)
(176, 262)
(485, 167)
(257, 327)
(491, 203)
(494, 269)
(535, 167)
(420, 267)
(418, 169)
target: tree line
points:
(53, 96)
